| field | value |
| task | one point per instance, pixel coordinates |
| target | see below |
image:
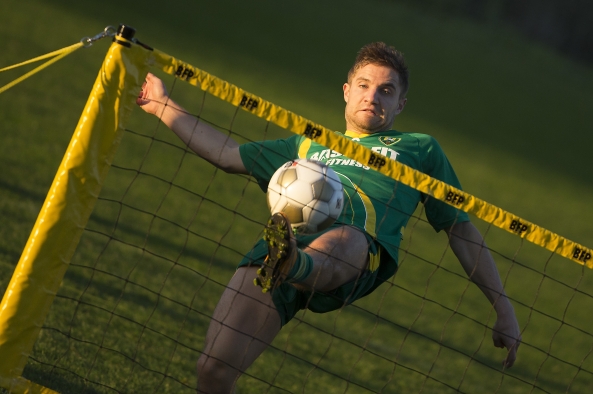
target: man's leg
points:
(339, 257)
(244, 323)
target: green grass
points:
(512, 116)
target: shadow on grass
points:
(60, 380)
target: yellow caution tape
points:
(398, 171)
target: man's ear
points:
(346, 88)
(401, 104)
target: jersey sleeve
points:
(263, 158)
(434, 163)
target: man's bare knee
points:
(340, 256)
(215, 376)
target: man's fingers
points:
(142, 90)
(510, 360)
(511, 345)
(497, 341)
(512, 355)
(502, 340)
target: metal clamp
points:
(109, 31)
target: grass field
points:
(133, 309)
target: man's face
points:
(372, 99)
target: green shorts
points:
(289, 300)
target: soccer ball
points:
(308, 192)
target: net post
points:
(126, 32)
(68, 205)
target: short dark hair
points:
(382, 54)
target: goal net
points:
(138, 237)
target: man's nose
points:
(372, 95)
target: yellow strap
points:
(57, 55)
(398, 171)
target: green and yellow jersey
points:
(374, 203)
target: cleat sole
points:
(277, 235)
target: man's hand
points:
(153, 95)
(506, 334)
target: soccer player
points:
(324, 272)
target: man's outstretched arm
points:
(471, 251)
(208, 143)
